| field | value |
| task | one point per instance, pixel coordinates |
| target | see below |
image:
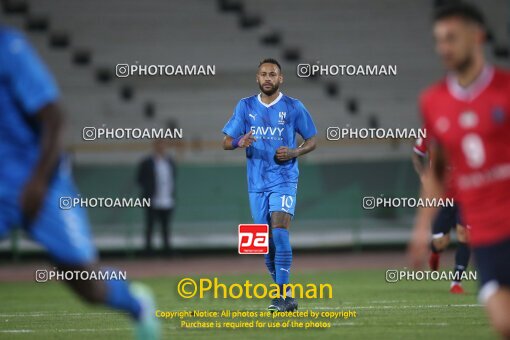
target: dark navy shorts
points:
(493, 267)
(446, 220)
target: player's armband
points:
(235, 142)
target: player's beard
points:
(463, 65)
(271, 91)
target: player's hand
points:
(418, 247)
(247, 140)
(32, 197)
(284, 153)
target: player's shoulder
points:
(502, 76)
(247, 101)
(9, 35)
(501, 72)
(249, 98)
(290, 99)
(433, 91)
(292, 102)
(12, 42)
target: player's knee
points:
(91, 291)
(498, 307)
(462, 234)
(441, 243)
(502, 324)
(281, 225)
(92, 295)
(87, 291)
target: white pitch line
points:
(422, 324)
(65, 330)
(345, 324)
(92, 330)
(75, 330)
(16, 331)
(38, 314)
(312, 307)
(396, 307)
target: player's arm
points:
(419, 157)
(243, 141)
(51, 140)
(285, 153)
(306, 129)
(433, 187)
(419, 163)
(37, 94)
(235, 130)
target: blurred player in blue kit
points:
(266, 125)
(34, 176)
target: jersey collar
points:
(273, 102)
(472, 91)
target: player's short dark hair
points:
(271, 61)
(460, 9)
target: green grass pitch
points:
(405, 310)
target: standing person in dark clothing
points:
(156, 177)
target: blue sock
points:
(119, 297)
(269, 257)
(283, 255)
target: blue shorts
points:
(447, 219)
(64, 233)
(262, 204)
(493, 267)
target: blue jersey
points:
(273, 126)
(26, 86)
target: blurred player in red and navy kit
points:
(448, 218)
(467, 117)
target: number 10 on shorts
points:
(253, 239)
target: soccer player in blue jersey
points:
(266, 125)
(34, 176)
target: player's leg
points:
(462, 255)
(280, 222)
(149, 225)
(494, 270)
(113, 293)
(438, 244)
(270, 257)
(498, 308)
(133, 298)
(444, 221)
(259, 207)
(164, 229)
(66, 236)
(281, 206)
(168, 227)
